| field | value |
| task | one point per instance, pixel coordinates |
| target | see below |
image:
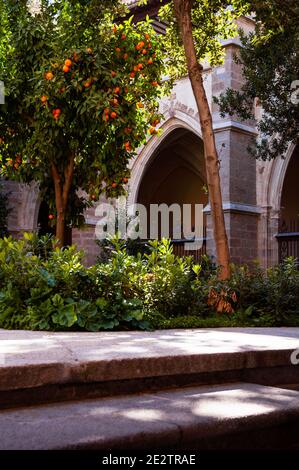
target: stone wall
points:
(84, 239)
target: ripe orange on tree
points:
(51, 216)
(113, 115)
(125, 56)
(127, 146)
(56, 113)
(114, 185)
(144, 51)
(44, 99)
(150, 61)
(113, 73)
(66, 69)
(140, 45)
(125, 180)
(152, 130)
(49, 76)
(140, 105)
(68, 62)
(132, 74)
(116, 90)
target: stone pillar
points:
(84, 239)
(24, 205)
(237, 167)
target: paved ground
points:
(22, 347)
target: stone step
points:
(40, 367)
(228, 416)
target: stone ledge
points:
(236, 207)
(205, 417)
(225, 125)
(35, 359)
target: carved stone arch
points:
(271, 180)
(277, 176)
(173, 120)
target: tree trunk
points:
(62, 190)
(182, 9)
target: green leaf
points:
(65, 316)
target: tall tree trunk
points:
(62, 191)
(182, 10)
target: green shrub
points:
(46, 288)
(173, 285)
(273, 294)
(52, 290)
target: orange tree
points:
(81, 96)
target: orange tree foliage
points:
(81, 98)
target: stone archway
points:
(171, 170)
(173, 121)
(272, 182)
(288, 236)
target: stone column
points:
(237, 167)
(24, 204)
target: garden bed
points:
(46, 288)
